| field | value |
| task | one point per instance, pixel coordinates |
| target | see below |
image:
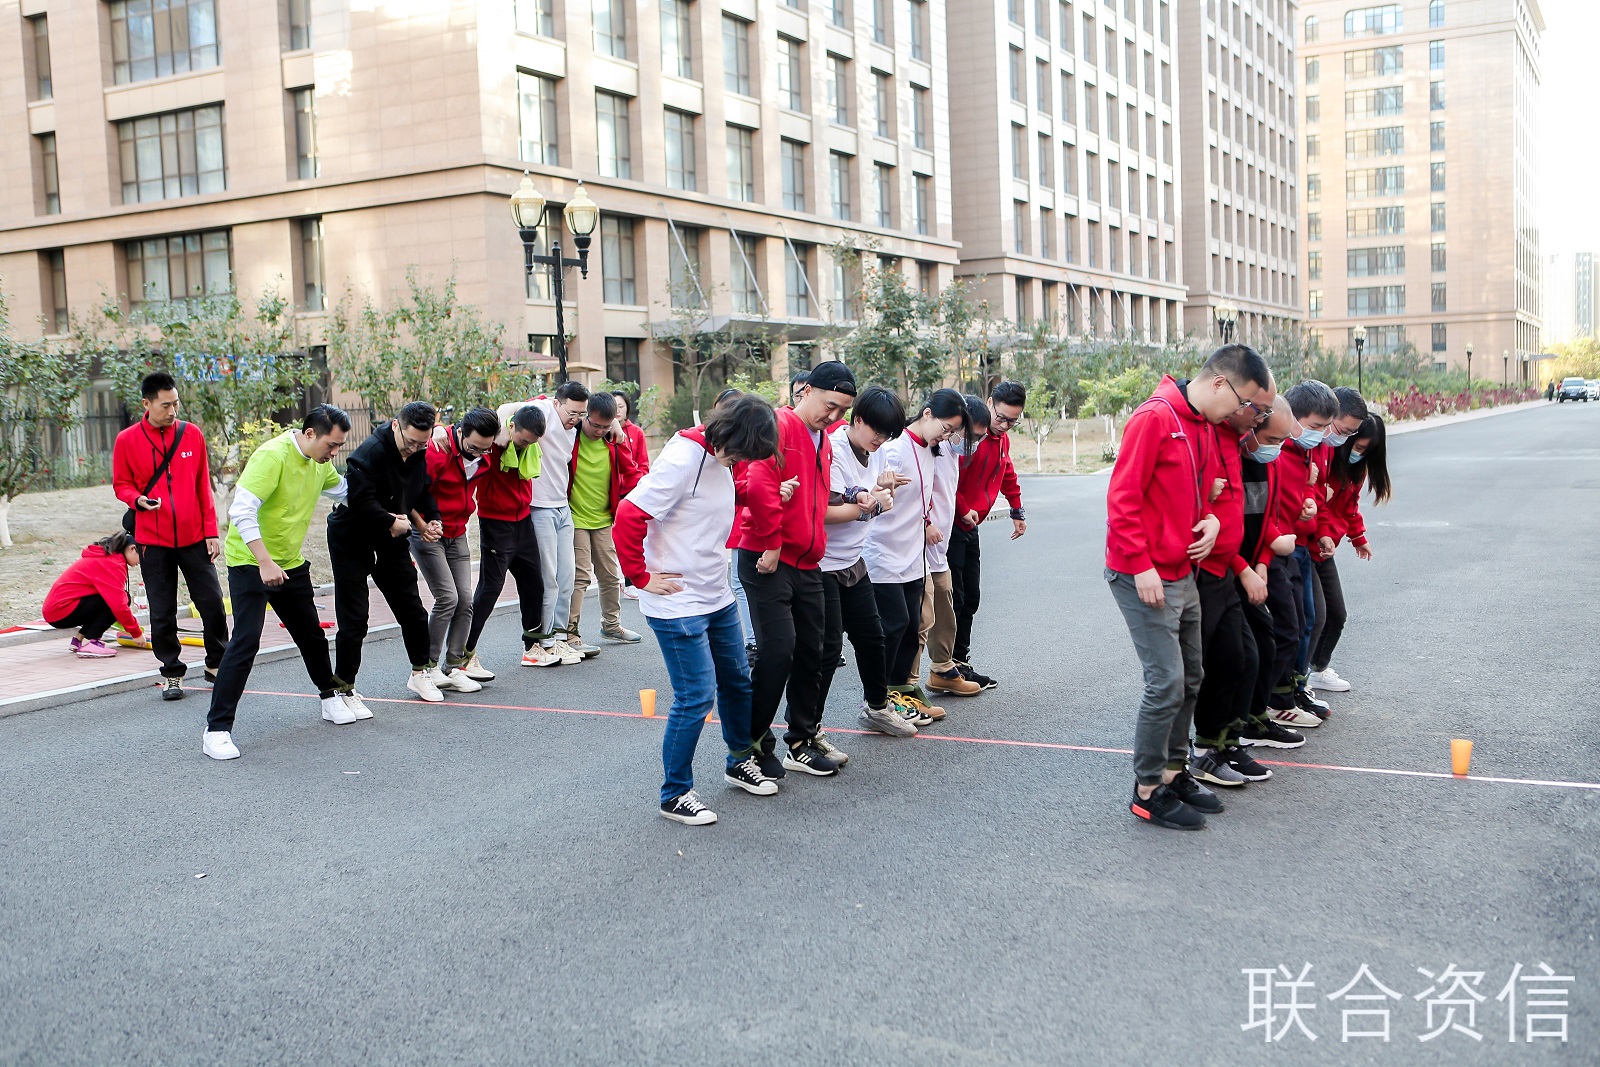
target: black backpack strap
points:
(166, 460)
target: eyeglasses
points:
(950, 431)
(1004, 420)
(473, 450)
(1261, 412)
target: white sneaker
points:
(564, 652)
(1328, 681)
(218, 744)
(477, 671)
(1294, 718)
(539, 656)
(337, 711)
(421, 684)
(582, 647)
(454, 679)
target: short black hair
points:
(881, 410)
(324, 417)
(729, 393)
(603, 405)
(626, 397)
(746, 428)
(1240, 364)
(799, 378)
(155, 383)
(978, 411)
(529, 419)
(1351, 402)
(1311, 397)
(481, 421)
(419, 415)
(572, 391)
(1009, 393)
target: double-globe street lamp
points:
(1227, 317)
(1359, 336)
(582, 215)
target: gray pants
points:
(447, 568)
(552, 529)
(1167, 640)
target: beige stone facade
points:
(1419, 169)
(360, 138)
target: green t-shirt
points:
(288, 485)
(590, 495)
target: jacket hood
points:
(697, 434)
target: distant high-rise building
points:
(1419, 174)
(1571, 297)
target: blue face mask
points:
(1355, 457)
(1266, 453)
(1337, 439)
(1309, 439)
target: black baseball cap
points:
(833, 376)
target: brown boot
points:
(952, 684)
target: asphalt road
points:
(494, 885)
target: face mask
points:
(1309, 439)
(1337, 439)
(1355, 457)
(1266, 453)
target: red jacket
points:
(1343, 513)
(1294, 487)
(455, 495)
(985, 474)
(765, 521)
(95, 571)
(188, 513)
(1157, 492)
(624, 475)
(1228, 507)
(641, 448)
(503, 495)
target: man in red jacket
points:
(781, 542)
(985, 474)
(600, 473)
(1159, 525)
(175, 522)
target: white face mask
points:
(1337, 439)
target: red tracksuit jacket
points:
(455, 495)
(94, 571)
(1294, 487)
(1228, 507)
(1157, 492)
(188, 513)
(765, 521)
(985, 474)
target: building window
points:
(1069, 98)
(156, 38)
(791, 74)
(741, 164)
(683, 267)
(881, 20)
(845, 284)
(39, 30)
(883, 188)
(1041, 86)
(927, 279)
(735, 55)
(1015, 73)
(677, 55)
(1436, 96)
(1436, 218)
(1313, 70)
(1313, 109)
(746, 289)
(680, 149)
(1373, 103)
(1381, 181)
(537, 97)
(1439, 297)
(882, 103)
(1314, 226)
(1021, 290)
(1091, 109)
(1436, 177)
(1314, 266)
(1435, 13)
(1440, 338)
(921, 119)
(171, 155)
(614, 135)
(1313, 188)
(836, 14)
(839, 89)
(622, 359)
(1092, 176)
(1047, 158)
(313, 289)
(307, 163)
(616, 261)
(182, 269)
(1019, 227)
(1436, 136)
(1014, 13)
(1375, 221)
(922, 203)
(1436, 257)
(797, 278)
(1435, 55)
(536, 17)
(1019, 152)
(1376, 300)
(919, 29)
(839, 185)
(1379, 20)
(55, 266)
(1365, 144)
(1047, 224)
(300, 24)
(1313, 27)
(1314, 303)
(611, 28)
(1374, 62)
(1368, 262)
(49, 172)
(794, 175)
(1094, 245)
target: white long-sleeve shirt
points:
(895, 549)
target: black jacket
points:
(382, 485)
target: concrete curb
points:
(1436, 421)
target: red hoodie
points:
(1228, 507)
(451, 489)
(95, 571)
(796, 527)
(1342, 514)
(503, 495)
(985, 474)
(624, 474)
(188, 513)
(1295, 485)
(1156, 494)
(641, 450)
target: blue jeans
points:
(741, 601)
(1308, 597)
(706, 663)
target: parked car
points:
(1594, 388)
(1573, 389)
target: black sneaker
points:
(1194, 794)
(1305, 700)
(973, 676)
(771, 766)
(747, 775)
(1245, 764)
(1270, 735)
(688, 810)
(810, 759)
(172, 689)
(1165, 808)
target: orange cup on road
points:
(1460, 756)
(647, 703)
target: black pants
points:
(1259, 633)
(853, 610)
(1230, 676)
(1288, 620)
(395, 574)
(160, 567)
(295, 604)
(1330, 615)
(508, 547)
(965, 572)
(900, 609)
(787, 608)
(91, 615)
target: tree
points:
(645, 406)
(704, 349)
(1041, 413)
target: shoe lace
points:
(691, 803)
(751, 768)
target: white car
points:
(1594, 389)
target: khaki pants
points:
(595, 549)
(938, 632)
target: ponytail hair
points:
(117, 543)
(949, 404)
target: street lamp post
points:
(1359, 335)
(582, 215)
(1227, 316)
(1469, 366)
(1505, 374)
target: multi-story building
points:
(161, 149)
(1419, 168)
(1571, 297)
(1064, 156)
(1236, 75)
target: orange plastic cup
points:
(647, 703)
(1460, 756)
